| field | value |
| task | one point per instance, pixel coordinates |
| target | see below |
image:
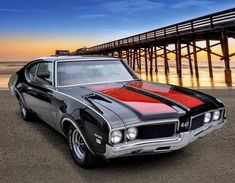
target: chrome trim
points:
(146, 123)
(211, 111)
(85, 84)
(220, 101)
(149, 146)
(158, 122)
(208, 111)
(38, 62)
(76, 126)
(162, 121)
(225, 113)
(178, 109)
(56, 79)
(78, 59)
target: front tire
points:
(78, 149)
(25, 113)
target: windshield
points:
(88, 72)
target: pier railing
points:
(149, 46)
(190, 26)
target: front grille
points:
(197, 122)
(156, 131)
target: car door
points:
(38, 94)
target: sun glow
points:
(26, 48)
(30, 47)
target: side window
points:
(44, 74)
(32, 72)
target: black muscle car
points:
(105, 110)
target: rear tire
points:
(78, 149)
(25, 113)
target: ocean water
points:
(187, 80)
(218, 80)
(7, 69)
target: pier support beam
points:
(140, 56)
(225, 50)
(137, 58)
(165, 61)
(179, 59)
(146, 60)
(130, 59)
(209, 58)
(195, 58)
(176, 58)
(151, 59)
(190, 60)
(120, 54)
(134, 58)
(127, 57)
(155, 59)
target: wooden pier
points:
(149, 46)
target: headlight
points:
(116, 136)
(207, 117)
(131, 133)
(216, 115)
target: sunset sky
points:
(30, 29)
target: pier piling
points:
(185, 35)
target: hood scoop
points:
(94, 96)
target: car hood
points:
(141, 101)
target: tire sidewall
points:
(81, 162)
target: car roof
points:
(80, 57)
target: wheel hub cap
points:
(78, 144)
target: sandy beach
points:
(34, 152)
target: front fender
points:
(94, 134)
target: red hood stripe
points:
(185, 99)
(140, 102)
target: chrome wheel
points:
(78, 148)
(78, 144)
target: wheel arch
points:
(18, 96)
(66, 122)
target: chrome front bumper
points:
(160, 145)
